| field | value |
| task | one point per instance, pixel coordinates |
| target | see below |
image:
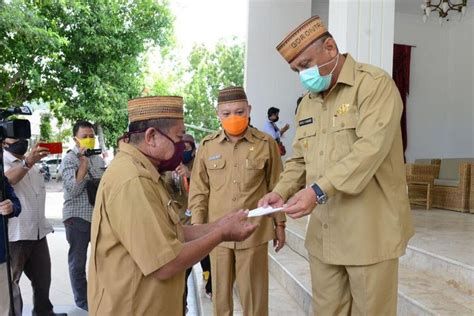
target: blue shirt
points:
(9, 194)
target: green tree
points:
(102, 64)
(208, 71)
(29, 49)
(46, 131)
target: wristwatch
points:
(321, 197)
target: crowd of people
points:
(164, 203)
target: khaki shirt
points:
(231, 176)
(350, 144)
(135, 232)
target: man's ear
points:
(331, 46)
(149, 135)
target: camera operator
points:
(27, 233)
(8, 208)
(78, 168)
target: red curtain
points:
(401, 76)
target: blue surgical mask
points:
(313, 81)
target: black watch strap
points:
(321, 197)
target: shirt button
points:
(234, 182)
(324, 131)
(235, 165)
(215, 165)
(234, 199)
(321, 153)
(325, 226)
(342, 124)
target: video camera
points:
(91, 152)
(15, 128)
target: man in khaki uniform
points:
(348, 154)
(139, 249)
(233, 169)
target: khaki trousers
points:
(249, 267)
(4, 295)
(354, 290)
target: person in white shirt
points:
(273, 130)
(27, 233)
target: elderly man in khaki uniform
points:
(233, 169)
(347, 171)
(139, 249)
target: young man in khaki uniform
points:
(233, 169)
(139, 249)
(348, 172)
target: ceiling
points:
(413, 6)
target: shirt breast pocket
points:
(306, 137)
(254, 171)
(215, 171)
(173, 207)
(343, 135)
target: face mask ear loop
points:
(337, 61)
(337, 57)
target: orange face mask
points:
(235, 125)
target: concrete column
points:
(269, 80)
(365, 29)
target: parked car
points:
(53, 165)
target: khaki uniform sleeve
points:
(198, 201)
(273, 172)
(143, 229)
(380, 110)
(293, 177)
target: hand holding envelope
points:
(261, 211)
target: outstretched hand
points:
(235, 227)
(301, 204)
(271, 199)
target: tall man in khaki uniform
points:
(233, 169)
(347, 171)
(139, 249)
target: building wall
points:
(440, 114)
(269, 80)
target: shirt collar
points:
(9, 157)
(140, 157)
(247, 136)
(346, 75)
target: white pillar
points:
(269, 80)
(365, 29)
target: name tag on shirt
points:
(306, 121)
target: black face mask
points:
(18, 148)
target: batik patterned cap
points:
(231, 94)
(156, 107)
(301, 37)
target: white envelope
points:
(260, 211)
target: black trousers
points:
(32, 257)
(78, 235)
